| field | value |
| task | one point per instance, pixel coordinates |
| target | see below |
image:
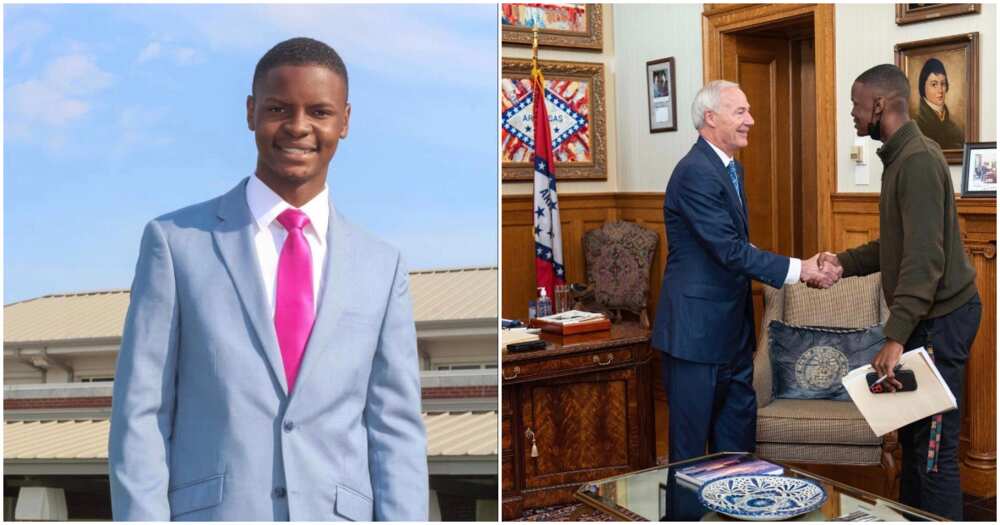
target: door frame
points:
(720, 19)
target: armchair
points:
(820, 431)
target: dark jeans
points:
(939, 492)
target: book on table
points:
(697, 474)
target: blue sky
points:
(115, 114)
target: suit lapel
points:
(723, 173)
(332, 298)
(234, 239)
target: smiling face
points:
(935, 87)
(731, 124)
(298, 115)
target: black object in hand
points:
(904, 376)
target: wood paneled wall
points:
(855, 221)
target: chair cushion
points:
(853, 302)
(799, 421)
(821, 454)
(619, 257)
(809, 362)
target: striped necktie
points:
(731, 167)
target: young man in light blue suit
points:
(268, 367)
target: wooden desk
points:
(587, 400)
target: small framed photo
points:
(979, 170)
(661, 92)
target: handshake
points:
(822, 270)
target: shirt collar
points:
(265, 206)
(726, 159)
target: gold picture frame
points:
(914, 13)
(957, 63)
(579, 87)
(517, 22)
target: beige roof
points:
(61, 317)
(438, 295)
(87, 439)
(461, 433)
(445, 295)
(448, 434)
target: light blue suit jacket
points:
(203, 427)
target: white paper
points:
(887, 412)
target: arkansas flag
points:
(549, 269)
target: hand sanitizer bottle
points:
(544, 306)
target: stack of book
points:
(572, 322)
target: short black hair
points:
(933, 65)
(887, 79)
(300, 51)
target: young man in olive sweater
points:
(929, 283)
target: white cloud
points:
(394, 40)
(42, 106)
(149, 52)
(186, 56)
(182, 56)
(24, 34)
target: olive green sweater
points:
(925, 272)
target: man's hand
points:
(886, 360)
(818, 275)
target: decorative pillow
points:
(808, 362)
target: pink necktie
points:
(293, 308)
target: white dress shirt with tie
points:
(265, 206)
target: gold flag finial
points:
(535, 70)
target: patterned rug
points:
(572, 512)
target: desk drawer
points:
(573, 363)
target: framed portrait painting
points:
(559, 25)
(661, 87)
(574, 99)
(944, 89)
(979, 170)
(913, 13)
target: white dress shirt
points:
(265, 206)
(794, 265)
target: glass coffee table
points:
(654, 494)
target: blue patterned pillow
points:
(808, 362)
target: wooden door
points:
(762, 67)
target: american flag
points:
(549, 269)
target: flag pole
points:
(535, 70)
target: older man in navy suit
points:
(704, 319)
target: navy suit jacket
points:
(705, 310)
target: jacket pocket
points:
(195, 495)
(353, 505)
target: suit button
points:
(288, 426)
(279, 492)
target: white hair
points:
(708, 99)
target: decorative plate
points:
(762, 498)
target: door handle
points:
(529, 434)
(517, 372)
